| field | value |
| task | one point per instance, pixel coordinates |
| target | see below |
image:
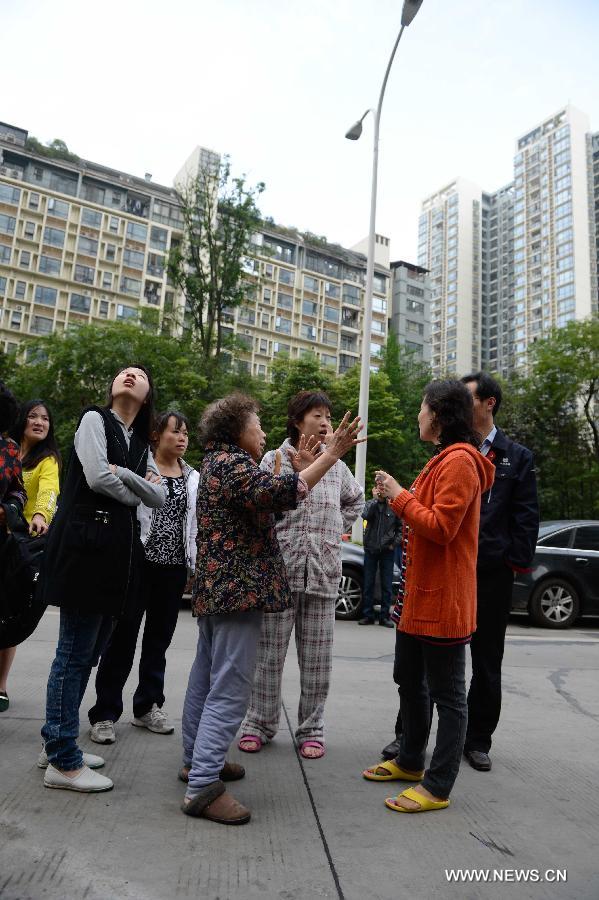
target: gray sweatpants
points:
(218, 692)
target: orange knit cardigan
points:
(442, 512)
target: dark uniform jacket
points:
(509, 517)
(93, 555)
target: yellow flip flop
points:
(395, 773)
(424, 804)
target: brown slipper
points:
(229, 772)
(216, 805)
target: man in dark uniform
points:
(509, 527)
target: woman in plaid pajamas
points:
(309, 538)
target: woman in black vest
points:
(93, 561)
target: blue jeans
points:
(81, 641)
(372, 561)
(432, 673)
(218, 693)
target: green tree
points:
(220, 214)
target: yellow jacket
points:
(42, 486)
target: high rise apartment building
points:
(411, 308)
(307, 297)
(449, 246)
(508, 266)
(80, 243)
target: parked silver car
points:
(349, 599)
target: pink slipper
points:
(317, 744)
(250, 739)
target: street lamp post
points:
(410, 8)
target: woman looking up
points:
(168, 535)
(40, 461)
(93, 560)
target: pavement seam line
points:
(323, 839)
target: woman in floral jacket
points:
(239, 575)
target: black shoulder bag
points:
(20, 562)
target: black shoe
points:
(478, 760)
(387, 623)
(366, 621)
(391, 751)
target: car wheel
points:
(554, 604)
(349, 598)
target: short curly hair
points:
(224, 420)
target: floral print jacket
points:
(11, 477)
(239, 565)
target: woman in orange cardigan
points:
(440, 542)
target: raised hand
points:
(306, 453)
(345, 437)
(387, 485)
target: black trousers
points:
(432, 673)
(494, 600)
(160, 600)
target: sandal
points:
(424, 804)
(393, 773)
(254, 742)
(318, 745)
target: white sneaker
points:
(89, 759)
(103, 732)
(87, 782)
(156, 720)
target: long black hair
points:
(451, 404)
(43, 448)
(142, 423)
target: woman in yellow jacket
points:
(40, 459)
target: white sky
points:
(136, 84)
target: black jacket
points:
(93, 554)
(509, 516)
(383, 531)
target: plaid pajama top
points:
(310, 536)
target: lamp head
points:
(355, 131)
(410, 8)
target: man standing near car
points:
(509, 526)
(381, 537)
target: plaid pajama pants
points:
(314, 620)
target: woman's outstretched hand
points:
(345, 437)
(305, 454)
(387, 485)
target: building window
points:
(263, 345)
(87, 246)
(379, 305)
(375, 349)
(137, 232)
(126, 313)
(265, 320)
(34, 201)
(158, 238)
(329, 337)
(309, 308)
(311, 284)
(280, 348)
(414, 327)
(246, 315)
(85, 274)
(327, 360)
(49, 265)
(110, 252)
(308, 332)
(107, 280)
(130, 286)
(286, 276)
(29, 230)
(45, 295)
(332, 290)
(20, 287)
(155, 265)
(331, 314)
(7, 224)
(378, 327)
(351, 294)
(266, 295)
(15, 320)
(414, 306)
(54, 237)
(80, 303)
(380, 284)
(103, 309)
(5, 253)
(285, 300)
(42, 325)
(9, 194)
(91, 217)
(114, 224)
(58, 208)
(283, 325)
(134, 259)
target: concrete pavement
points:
(318, 829)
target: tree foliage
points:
(220, 214)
